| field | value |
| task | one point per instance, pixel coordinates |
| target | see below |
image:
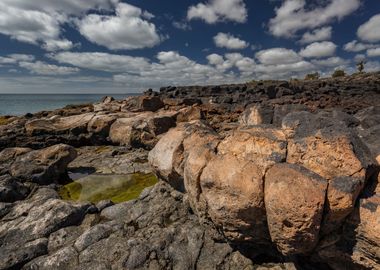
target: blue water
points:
(21, 104)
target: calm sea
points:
(20, 104)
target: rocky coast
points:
(262, 175)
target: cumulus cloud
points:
(331, 62)
(223, 40)
(320, 34)
(128, 29)
(369, 31)
(219, 10)
(103, 61)
(373, 52)
(39, 22)
(319, 49)
(43, 68)
(293, 15)
(355, 46)
(276, 56)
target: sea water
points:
(20, 104)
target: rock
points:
(93, 235)
(233, 190)
(189, 114)
(263, 145)
(294, 201)
(107, 107)
(167, 157)
(63, 237)
(117, 211)
(370, 137)
(142, 129)
(8, 155)
(369, 117)
(63, 259)
(143, 104)
(257, 115)
(109, 160)
(72, 124)
(43, 166)
(14, 258)
(280, 111)
(11, 190)
(100, 124)
(104, 204)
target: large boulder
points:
(8, 155)
(167, 157)
(43, 166)
(141, 129)
(294, 201)
(143, 103)
(100, 124)
(75, 124)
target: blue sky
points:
(117, 46)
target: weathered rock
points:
(280, 111)
(257, 115)
(143, 103)
(294, 201)
(141, 129)
(43, 166)
(167, 157)
(189, 114)
(8, 155)
(370, 137)
(11, 190)
(233, 190)
(58, 125)
(369, 117)
(100, 124)
(107, 107)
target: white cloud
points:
(181, 25)
(57, 45)
(276, 56)
(39, 22)
(293, 15)
(320, 34)
(372, 66)
(42, 68)
(355, 46)
(128, 29)
(223, 40)
(370, 31)
(103, 61)
(14, 58)
(373, 52)
(319, 49)
(331, 62)
(219, 10)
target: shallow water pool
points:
(98, 187)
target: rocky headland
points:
(263, 175)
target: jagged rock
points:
(294, 201)
(107, 107)
(43, 166)
(58, 125)
(11, 190)
(107, 99)
(370, 137)
(257, 115)
(8, 155)
(189, 114)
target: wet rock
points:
(43, 166)
(294, 201)
(257, 115)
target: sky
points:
(128, 46)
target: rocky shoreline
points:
(263, 175)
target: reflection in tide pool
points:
(117, 188)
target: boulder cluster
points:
(262, 175)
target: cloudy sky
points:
(125, 46)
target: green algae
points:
(117, 188)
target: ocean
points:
(20, 104)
